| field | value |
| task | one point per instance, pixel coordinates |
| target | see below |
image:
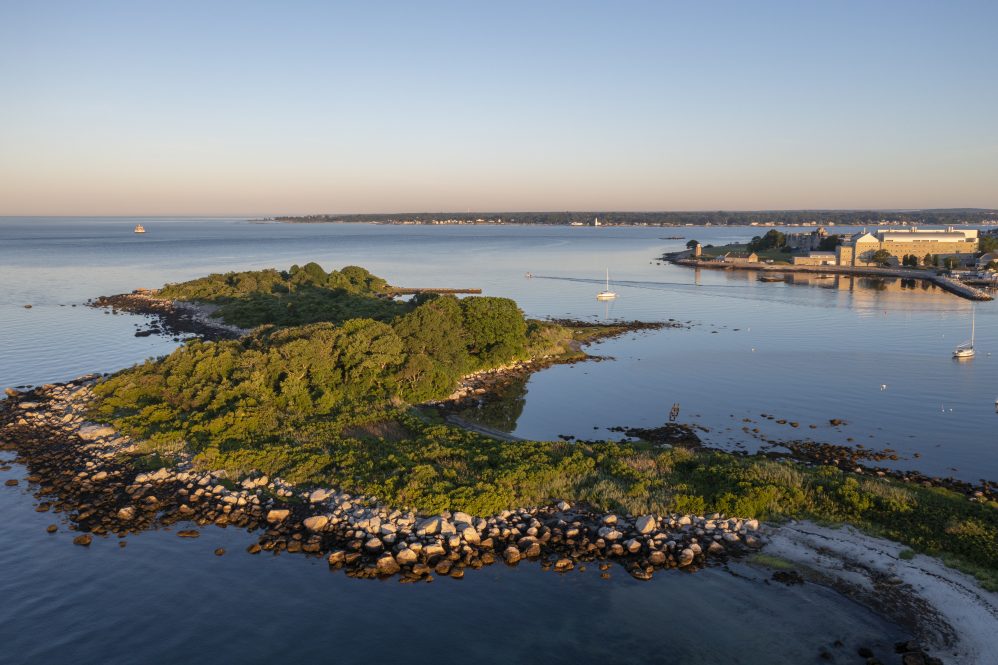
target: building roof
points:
(864, 237)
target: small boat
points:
(139, 228)
(966, 350)
(529, 275)
(606, 294)
(772, 278)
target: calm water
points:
(806, 353)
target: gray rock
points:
(645, 524)
(685, 557)
(406, 557)
(386, 565)
(319, 495)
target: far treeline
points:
(675, 218)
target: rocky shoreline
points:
(85, 472)
(171, 318)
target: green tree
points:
(927, 260)
(496, 330)
(988, 243)
(951, 263)
(881, 257)
(691, 244)
(772, 240)
(828, 244)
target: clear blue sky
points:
(292, 107)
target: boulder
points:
(645, 524)
(632, 545)
(406, 557)
(83, 540)
(386, 565)
(465, 518)
(685, 557)
(277, 515)
(374, 545)
(657, 558)
(511, 555)
(429, 526)
(563, 506)
(316, 522)
(609, 533)
(471, 536)
(91, 432)
(319, 495)
(126, 514)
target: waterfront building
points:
(899, 243)
(807, 241)
(738, 257)
(816, 259)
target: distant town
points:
(763, 218)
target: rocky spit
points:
(86, 472)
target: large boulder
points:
(316, 522)
(406, 557)
(319, 495)
(645, 524)
(386, 565)
(91, 432)
(685, 557)
(277, 515)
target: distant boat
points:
(139, 228)
(772, 278)
(606, 294)
(966, 350)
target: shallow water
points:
(165, 599)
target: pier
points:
(946, 283)
(407, 291)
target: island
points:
(312, 410)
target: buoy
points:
(883, 386)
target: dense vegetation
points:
(306, 294)
(330, 404)
(680, 218)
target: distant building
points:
(944, 243)
(807, 241)
(738, 257)
(985, 259)
(816, 259)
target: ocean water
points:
(874, 354)
(877, 355)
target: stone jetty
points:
(87, 472)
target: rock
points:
(91, 432)
(632, 545)
(563, 506)
(189, 533)
(10, 392)
(319, 495)
(511, 555)
(471, 536)
(645, 524)
(715, 548)
(316, 522)
(406, 557)
(279, 515)
(657, 558)
(254, 548)
(386, 565)
(564, 564)
(52, 528)
(126, 514)
(428, 526)
(99, 476)
(685, 557)
(11, 482)
(465, 518)
(337, 557)
(610, 519)
(219, 551)
(83, 540)
(751, 525)
(609, 533)
(374, 545)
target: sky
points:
(285, 107)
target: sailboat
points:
(606, 294)
(966, 350)
(139, 228)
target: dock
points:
(408, 291)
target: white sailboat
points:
(966, 350)
(606, 294)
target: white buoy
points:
(883, 386)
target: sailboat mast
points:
(973, 316)
(607, 279)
